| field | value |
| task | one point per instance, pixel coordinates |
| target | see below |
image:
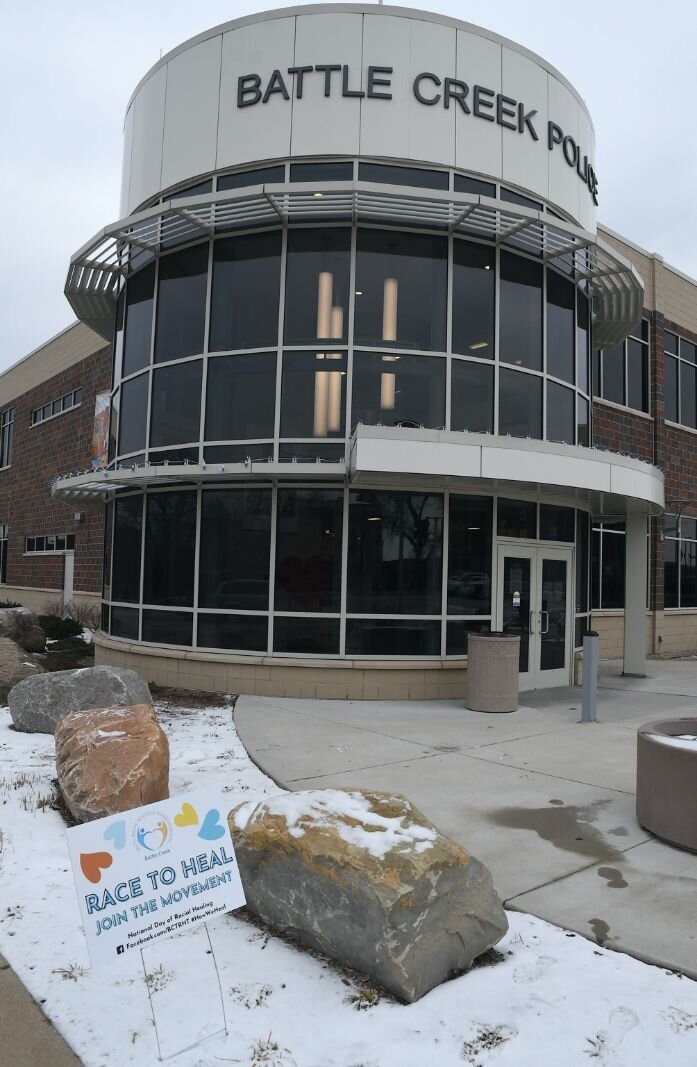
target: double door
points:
(535, 602)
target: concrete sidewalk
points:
(547, 803)
(27, 1037)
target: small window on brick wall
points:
(680, 388)
(7, 429)
(621, 374)
(50, 543)
(56, 407)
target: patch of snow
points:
(377, 834)
(110, 733)
(554, 997)
(688, 741)
(86, 635)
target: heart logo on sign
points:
(93, 863)
(211, 829)
(116, 833)
(187, 816)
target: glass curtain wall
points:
(274, 346)
(318, 570)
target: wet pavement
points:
(545, 801)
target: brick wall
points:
(40, 452)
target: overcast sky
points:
(68, 67)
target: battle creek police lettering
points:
(431, 90)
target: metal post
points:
(589, 705)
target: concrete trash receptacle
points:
(492, 672)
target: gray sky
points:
(68, 67)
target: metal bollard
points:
(589, 704)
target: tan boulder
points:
(15, 666)
(364, 877)
(110, 760)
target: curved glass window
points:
(128, 533)
(474, 287)
(401, 289)
(469, 555)
(134, 414)
(471, 396)
(398, 390)
(308, 550)
(181, 303)
(241, 397)
(234, 552)
(395, 553)
(170, 540)
(560, 414)
(520, 320)
(313, 394)
(520, 404)
(317, 286)
(176, 404)
(245, 292)
(561, 295)
(138, 326)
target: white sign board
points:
(153, 871)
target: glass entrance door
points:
(534, 602)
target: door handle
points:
(531, 623)
(546, 629)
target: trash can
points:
(492, 672)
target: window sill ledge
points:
(624, 408)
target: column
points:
(636, 557)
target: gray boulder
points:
(38, 704)
(15, 666)
(365, 878)
(21, 625)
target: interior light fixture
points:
(472, 529)
(387, 391)
(487, 266)
(359, 292)
(325, 287)
(317, 196)
(374, 518)
(479, 344)
(389, 309)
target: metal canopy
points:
(97, 269)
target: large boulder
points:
(38, 704)
(15, 666)
(110, 760)
(365, 878)
(22, 626)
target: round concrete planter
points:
(666, 792)
(492, 672)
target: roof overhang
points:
(97, 270)
(606, 483)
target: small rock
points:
(365, 878)
(22, 626)
(110, 760)
(15, 666)
(38, 704)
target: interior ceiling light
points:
(375, 518)
(479, 344)
(317, 195)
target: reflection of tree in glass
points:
(404, 517)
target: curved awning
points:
(607, 483)
(97, 269)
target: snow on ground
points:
(552, 998)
